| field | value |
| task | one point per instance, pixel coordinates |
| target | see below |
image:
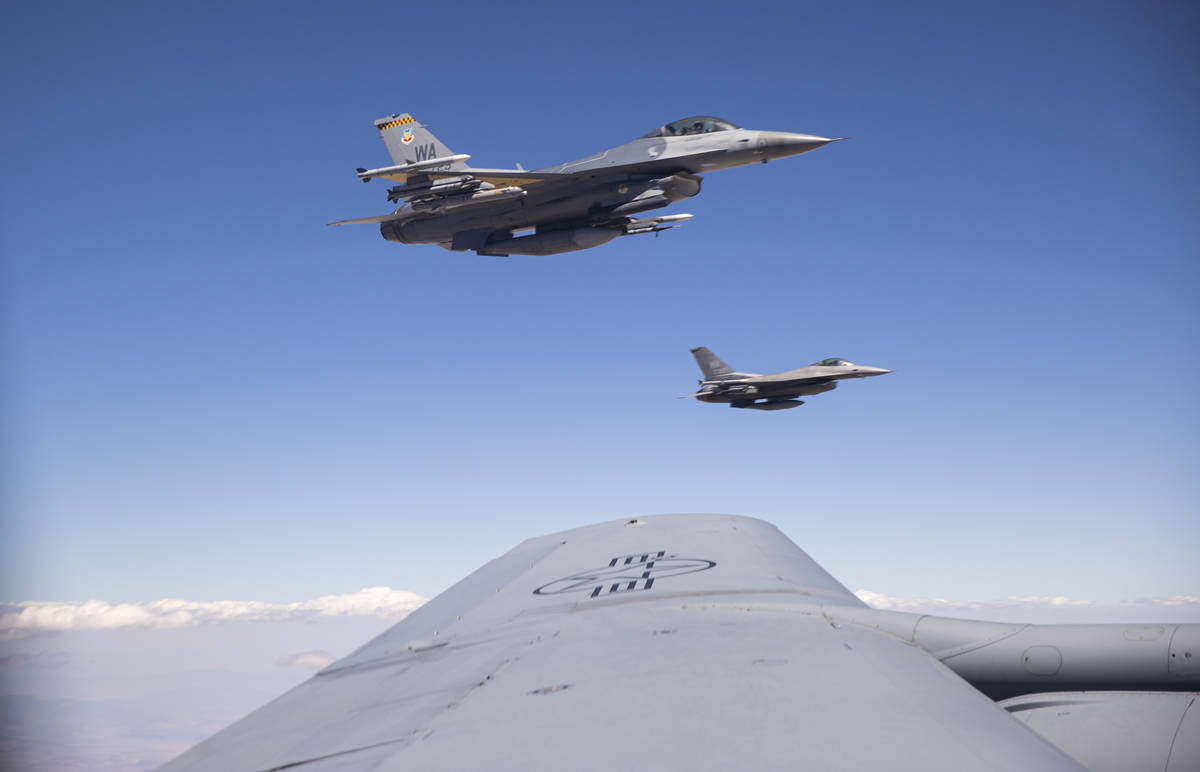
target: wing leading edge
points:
(702, 639)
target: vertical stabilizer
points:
(408, 141)
(712, 367)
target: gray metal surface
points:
(572, 206)
(1003, 659)
(1117, 731)
(777, 391)
(681, 642)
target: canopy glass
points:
(697, 124)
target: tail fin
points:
(710, 364)
(408, 141)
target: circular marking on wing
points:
(626, 573)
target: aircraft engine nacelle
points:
(678, 186)
(551, 242)
(393, 231)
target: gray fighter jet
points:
(572, 206)
(777, 391)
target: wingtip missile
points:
(654, 224)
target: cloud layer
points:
(1044, 608)
(33, 616)
(309, 660)
(941, 605)
(932, 605)
(19, 619)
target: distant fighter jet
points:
(572, 206)
(778, 391)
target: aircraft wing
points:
(680, 642)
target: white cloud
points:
(933, 605)
(1174, 600)
(44, 660)
(310, 660)
(1044, 608)
(17, 619)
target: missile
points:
(674, 217)
(660, 220)
(654, 224)
(442, 187)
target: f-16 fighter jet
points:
(778, 391)
(572, 206)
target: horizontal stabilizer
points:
(369, 220)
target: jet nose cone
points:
(869, 371)
(781, 144)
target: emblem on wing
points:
(626, 573)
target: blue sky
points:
(209, 394)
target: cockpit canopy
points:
(832, 362)
(697, 124)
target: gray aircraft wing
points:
(678, 642)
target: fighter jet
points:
(576, 205)
(778, 391)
